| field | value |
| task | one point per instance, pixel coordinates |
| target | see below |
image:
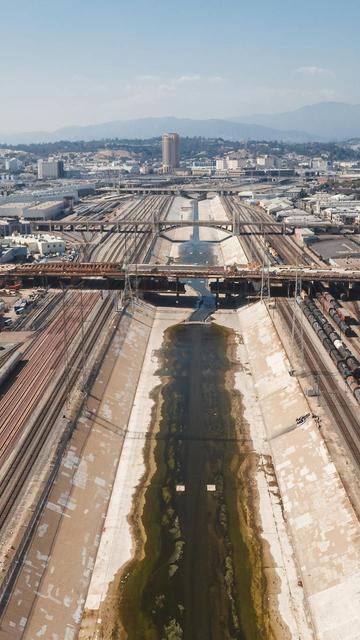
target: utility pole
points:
(265, 282)
(66, 347)
(127, 294)
(297, 291)
(265, 274)
(136, 268)
(83, 355)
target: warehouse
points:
(13, 209)
(11, 253)
(35, 211)
(334, 248)
(45, 210)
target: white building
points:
(131, 167)
(50, 169)
(202, 170)
(44, 244)
(221, 164)
(229, 164)
(321, 164)
(234, 164)
(268, 162)
(13, 164)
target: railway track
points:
(40, 315)
(253, 248)
(46, 356)
(335, 398)
(119, 247)
(43, 357)
(284, 246)
(29, 408)
(14, 479)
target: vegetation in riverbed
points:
(199, 575)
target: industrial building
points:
(337, 250)
(170, 152)
(32, 210)
(8, 226)
(62, 190)
(43, 245)
(44, 210)
(12, 253)
(50, 169)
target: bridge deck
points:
(130, 224)
(113, 271)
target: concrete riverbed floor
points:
(116, 545)
(320, 524)
(304, 515)
(52, 585)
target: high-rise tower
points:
(170, 151)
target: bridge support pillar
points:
(217, 292)
(154, 224)
(233, 223)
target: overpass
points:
(179, 190)
(113, 276)
(156, 226)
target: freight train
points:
(272, 252)
(347, 364)
(335, 311)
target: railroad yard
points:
(86, 402)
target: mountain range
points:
(325, 121)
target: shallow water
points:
(196, 251)
(196, 580)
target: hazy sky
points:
(87, 61)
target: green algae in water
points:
(196, 580)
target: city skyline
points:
(79, 64)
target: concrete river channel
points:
(197, 574)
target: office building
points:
(13, 164)
(170, 152)
(268, 162)
(230, 164)
(50, 169)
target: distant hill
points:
(325, 120)
(154, 127)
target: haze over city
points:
(73, 63)
(179, 320)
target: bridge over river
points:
(233, 225)
(167, 277)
